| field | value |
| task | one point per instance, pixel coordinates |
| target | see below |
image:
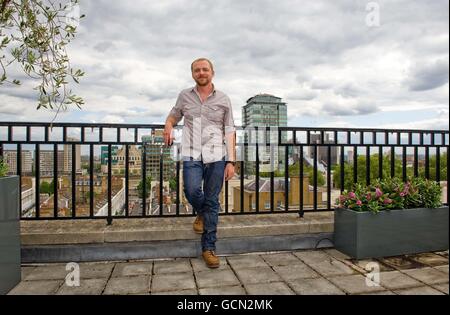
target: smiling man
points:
(208, 150)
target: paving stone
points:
(214, 278)
(228, 290)
(48, 272)
(180, 292)
(198, 264)
(397, 280)
(128, 285)
(428, 275)
(96, 270)
(38, 287)
(87, 287)
(281, 259)
(172, 266)
(274, 288)
(173, 282)
(354, 284)
(318, 286)
(257, 275)
(312, 256)
(442, 287)
(401, 263)
(331, 267)
(132, 269)
(246, 261)
(419, 291)
(442, 269)
(295, 272)
(430, 259)
(26, 271)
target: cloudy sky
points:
(324, 59)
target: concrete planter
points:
(390, 233)
(10, 274)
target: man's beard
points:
(204, 83)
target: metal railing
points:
(325, 148)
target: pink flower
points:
(387, 201)
(342, 198)
(359, 202)
(369, 196)
(378, 193)
(402, 194)
(351, 195)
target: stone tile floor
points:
(324, 271)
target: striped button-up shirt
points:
(205, 124)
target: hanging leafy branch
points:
(35, 34)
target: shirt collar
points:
(194, 89)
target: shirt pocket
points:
(216, 114)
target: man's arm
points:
(230, 140)
(171, 121)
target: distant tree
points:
(140, 188)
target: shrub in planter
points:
(391, 218)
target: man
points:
(208, 150)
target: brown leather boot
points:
(198, 225)
(210, 258)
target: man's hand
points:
(168, 139)
(229, 171)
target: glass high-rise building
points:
(264, 110)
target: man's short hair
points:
(202, 59)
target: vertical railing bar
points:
(241, 201)
(301, 175)
(161, 182)
(416, 161)
(392, 161)
(427, 162)
(368, 165)
(286, 179)
(109, 218)
(315, 178)
(127, 180)
(144, 182)
(19, 173)
(91, 180)
(438, 164)
(329, 177)
(73, 180)
(178, 189)
(55, 180)
(341, 169)
(38, 179)
(257, 177)
(380, 161)
(355, 164)
(404, 163)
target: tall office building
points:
(154, 147)
(67, 163)
(322, 151)
(267, 111)
(10, 157)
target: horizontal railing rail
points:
(274, 170)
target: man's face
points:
(202, 73)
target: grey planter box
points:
(390, 233)
(10, 274)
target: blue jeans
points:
(204, 201)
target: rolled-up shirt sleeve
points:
(228, 120)
(177, 110)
